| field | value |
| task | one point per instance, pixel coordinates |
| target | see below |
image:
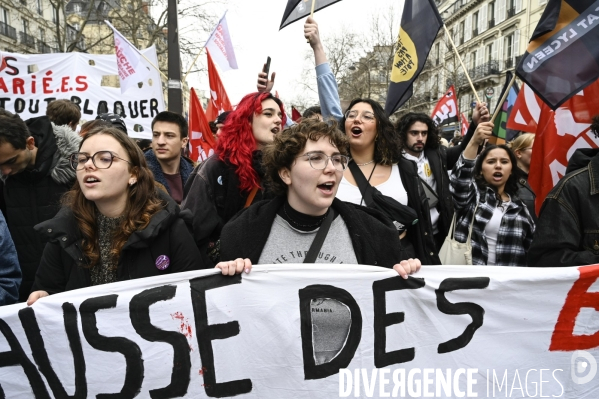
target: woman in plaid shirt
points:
(484, 188)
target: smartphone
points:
(266, 67)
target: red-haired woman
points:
(231, 179)
(114, 225)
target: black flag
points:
(298, 9)
(562, 57)
(420, 23)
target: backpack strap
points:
(320, 237)
(363, 184)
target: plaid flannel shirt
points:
(517, 227)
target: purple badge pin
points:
(162, 262)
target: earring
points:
(132, 182)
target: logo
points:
(405, 62)
(583, 367)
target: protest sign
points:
(30, 81)
(311, 331)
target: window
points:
(25, 25)
(42, 35)
(461, 33)
(472, 63)
(4, 16)
(475, 23)
(40, 10)
(489, 52)
(437, 53)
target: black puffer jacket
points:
(526, 195)
(62, 265)
(374, 238)
(33, 196)
(568, 229)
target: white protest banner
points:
(308, 331)
(220, 46)
(128, 61)
(30, 81)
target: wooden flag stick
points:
(461, 62)
(192, 64)
(502, 100)
(312, 9)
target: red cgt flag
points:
(446, 110)
(201, 141)
(219, 101)
(295, 115)
(464, 124)
(558, 134)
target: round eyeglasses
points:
(320, 161)
(365, 116)
(101, 160)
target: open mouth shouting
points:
(497, 176)
(356, 131)
(275, 130)
(327, 187)
(90, 180)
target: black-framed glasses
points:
(319, 161)
(365, 116)
(101, 160)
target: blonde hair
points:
(521, 142)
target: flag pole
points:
(462, 63)
(502, 100)
(311, 15)
(193, 63)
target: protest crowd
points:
(88, 205)
(83, 203)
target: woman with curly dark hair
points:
(231, 179)
(304, 165)
(113, 225)
(484, 189)
(375, 149)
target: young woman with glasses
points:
(304, 166)
(113, 225)
(375, 148)
(231, 179)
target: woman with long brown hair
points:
(113, 225)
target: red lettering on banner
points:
(46, 83)
(82, 81)
(65, 84)
(563, 338)
(18, 84)
(3, 85)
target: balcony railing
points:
(491, 23)
(509, 63)
(474, 32)
(476, 73)
(43, 47)
(27, 39)
(8, 31)
(510, 13)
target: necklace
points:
(364, 164)
(312, 225)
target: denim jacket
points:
(568, 232)
(516, 230)
(10, 271)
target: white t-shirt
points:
(492, 231)
(426, 173)
(393, 188)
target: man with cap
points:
(220, 121)
(115, 120)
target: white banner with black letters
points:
(306, 331)
(28, 82)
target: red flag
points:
(465, 124)
(446, 110)
(558, 134)
(295, 115)
(201, 141)
(219, 101)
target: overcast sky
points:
(254, 28)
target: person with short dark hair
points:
(220, 121)
(313, 112)
(35, 170)
(64, 112)
(303, 166)
(484, 189)
(114, 225)
(115, 120)
(93, 124)
(169, 138)
(568, 225)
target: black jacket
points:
(437, 160)
(568, 229)
(185, 169)
(526, 194)
(212, 195)
(420, 234)
(33, 196)
(374, 238)
(62, 265)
